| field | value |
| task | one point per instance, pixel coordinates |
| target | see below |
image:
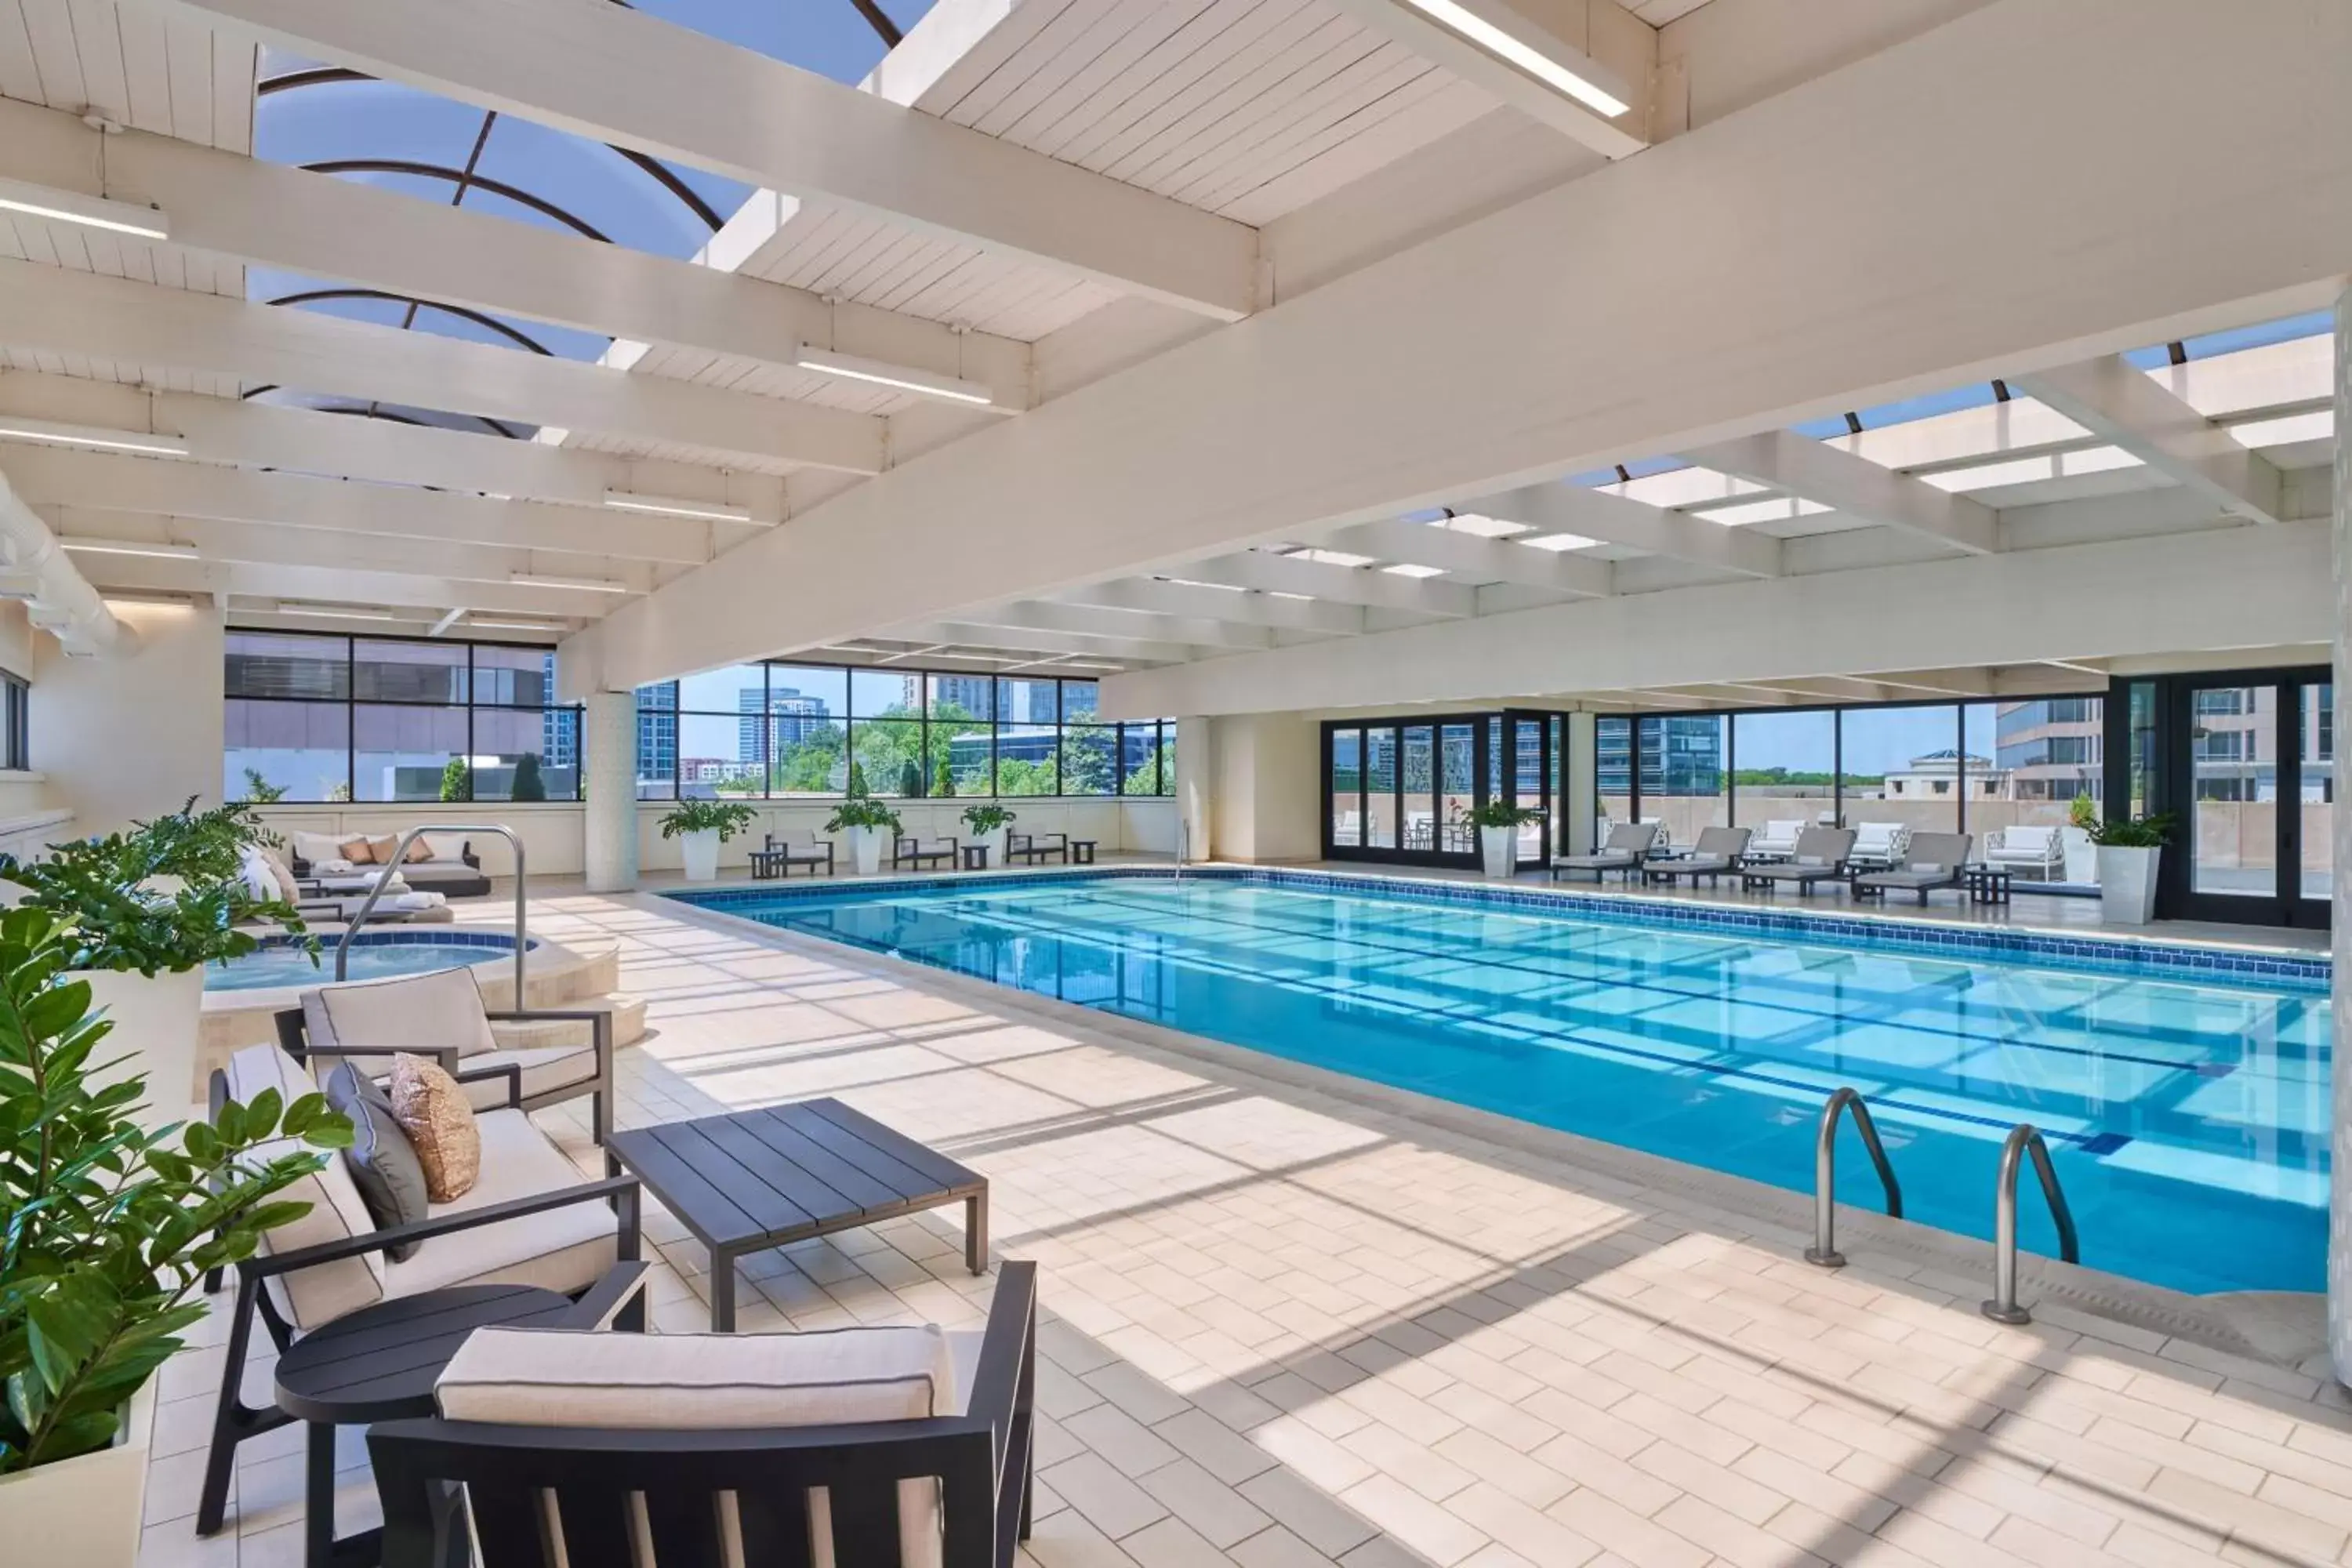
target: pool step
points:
(628, 1024)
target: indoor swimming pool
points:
(2185, 1108)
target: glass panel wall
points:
(1902, 767)
(1379, 788)
(1686, 778)
(1784, 768)
(1457, 778)
(1420, 787)
(1612, 761)
(1346, 788)
(2316, 732)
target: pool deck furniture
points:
(975, 857)
(1987, 884)
(752, 1180)
(528, 1220)
(2021, 847)
(950, 1489)
(1878, 844)
(1625, 852)
(1820, 856)
(1035, 846)
(1931, 861)
(455, 872)
(1082, 851)
(1776, 840)
(1716, 855)
(906, 849)
(380, 1364)
(796, 847)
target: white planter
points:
(701, 853)
(2128, 885)
(156, 1024)
(866, 847)
(994, 838)
(2082, 857)
(85, 1510)
(1499, 849)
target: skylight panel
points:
(1329, 557)
(1409, 569)
(1684, 487)
(2027, 470)
(2319, 425)
(1558, 542)
(1479, 525)
(1781, 509)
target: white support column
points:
(1195, 767)
(611, 826)
(1579, 798)
(2339, 1208)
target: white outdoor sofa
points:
(2040, 851)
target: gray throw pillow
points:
(383, 1163)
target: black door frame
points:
(2176, 898)
(1483, 765)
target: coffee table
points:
(1987, 884)
(752, 1179)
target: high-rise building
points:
(1681, 755)
(2050, 748)
(791, 716)
(968, 692)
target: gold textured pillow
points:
(380, 850)
(357, 852)
(431, 1110)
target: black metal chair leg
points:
(233, 1420)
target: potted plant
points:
(1498, 824)
(106, 1231)
(866, 822)
(145, 911)
(703, 826)
(988, 823)
(2129, 849)
(2082, 855)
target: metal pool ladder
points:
(399, 858)
(1183, 847)
(2023, 1139)
(1824, 1250)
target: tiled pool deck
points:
(1286, 1327)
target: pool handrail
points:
(1823, 1251)
(2023, 1139)
(399, 858)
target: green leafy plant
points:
(456, 780)
(1501, 813)
(862, 811)
(259, 791)
(725, 817)
(857, 778)
(106, 1229)
(163, 897)
(943, 784)
(2083, 812)
(910, 778)
(986, 818)
(529, 782)
(2134, 832)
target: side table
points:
(1987, 884)
(975, 857)
(1082, 851)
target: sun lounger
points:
(1718, 851)
(1628, 848)
(1932, 860)
(1879, 845)
(1775, 840)
(1819, 857)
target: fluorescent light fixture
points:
(1196, 583)
(1555, 73)
(1407, 569)
(1278, 593)
(1556, 542)
(91, 212)
(336, 612)
(880, 372)
(515, 625)
(15, 429)
(1481, 525)
(131, 547)
(593, 584)
(676, 506)
(1329, 557)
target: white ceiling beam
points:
(1044, 614)
(626, 77)
(2109, 397)
(1160, 596)
(1030, 639)
(1348, 584)
(1475, 560)
(1437, 373)
(265, 544)
(1629, 45)
(275, 215)
(142, 325)
(1815, 471)
(165, 486)
(1634, 525)
(339, 585)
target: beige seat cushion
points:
(544, 1069)
(309, 1297)
(408, 1013)
(434, 1111)
(565, 1249)
(528, 1377)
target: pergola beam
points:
(1042, 615)
(1815, 471)
(1161, 597)
(1476, 560)
(142, 325)
(2112, 398)
(1634, 525)
(636, 80)
(1275, 573)
(265, 544)
(338, 586)
(1030, 639)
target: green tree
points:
(259, 791)
(456, 780)
(528, 782)
(943, 782)
(1088, 760)
(1161, 779)
(856, 779)
(910, 778)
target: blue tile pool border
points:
(2147, 956)
(412, 936)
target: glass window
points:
(1612, 773)
(961, 759)
(1168, 756)
(514, 677)
(1028, 760)
(1903, 765)
(1080, 701)
(409, 753)
(525, 755)
(1419, 762)
(1457, 775)
(1090, 759)
(1685, 782)
(1379, 788)
(301, 748)
(1027, 701)
(2038, 764)
(1787, 766)
(889, 753)
(657, 742)
(1138, 759)
(954, 698)
(271, 664)
(385, 671)
(886, 694)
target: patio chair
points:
(848, 1448)
(440, 1015)
(1931, 861)
(413, 907)
(1628, 846)
(2019, 849)
(530, 1219)
(1777, 840)
(793, 847)
(1718, 851)
(1878, 844)
(908, 850)
(1666, 839)
(1820, 856)
(1035, 846)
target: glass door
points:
(2256, 761)
(1402, 790)
(2232, 834)
(2314, 732)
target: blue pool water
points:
(2187, 1114)
(376, 956)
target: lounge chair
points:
(411, 907)
(1775, 841)
(1035, 846)
(906, 850)
(1718, 851)
(1879, 845)
(1932, 860)
(2041, 850)
(1819, 857)
(793, 847)
(1625, 852)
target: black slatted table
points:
(756, 1179)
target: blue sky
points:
(1876, 740)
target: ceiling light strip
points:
(1554, 65)
(905, 378)
(134, 547)
(90, 212)
(49, 431)
(676, 506)
(589, 584)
